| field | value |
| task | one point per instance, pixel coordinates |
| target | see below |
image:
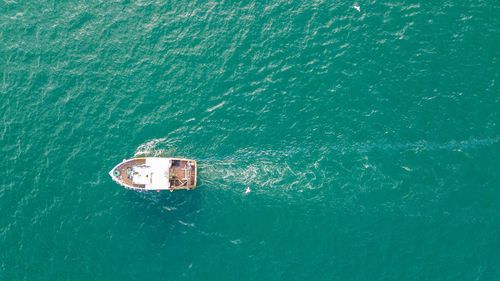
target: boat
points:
(155, 173)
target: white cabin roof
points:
(154, 174)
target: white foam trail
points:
(361, 148)
(258, 175)
(249, 170)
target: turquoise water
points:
(333, 144)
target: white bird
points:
(247, 190)
(358, 8)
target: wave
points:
(151, 148)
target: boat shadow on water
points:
(164, 212)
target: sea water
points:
(335, 140)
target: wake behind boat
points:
(155, 173)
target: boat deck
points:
(182, 174)
(123, 172)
